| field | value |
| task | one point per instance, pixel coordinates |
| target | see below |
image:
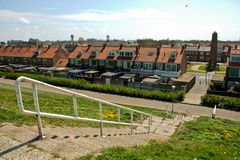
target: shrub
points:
(83, 84)
(236, 88)
(229, 103)
(216, 86)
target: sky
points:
(120, 19)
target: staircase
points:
(69, 143)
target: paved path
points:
(179, 107)
(198, 90)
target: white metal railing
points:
(40, 114)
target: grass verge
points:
(60, 104)
(204, 138)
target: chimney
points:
(158, 49)
(88, 47)
(104, 46)
(137, 49)
(49, 46)
(198, 46)
(229, 49)
(121, 46)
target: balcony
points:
(142, 71)
(167, 73)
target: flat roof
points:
(186, 77)
(127, 76)
(218, 77)
(150, 80)
(91, 72)
(111, 74)
(76, 71)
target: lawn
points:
(61, 104)
(201, 68)
(204, 138)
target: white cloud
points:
(24, 20)
(8, 15)
(102, 15)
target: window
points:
(72, 60)
(111, 53)
(80, 53)
(172, 55)
(234, 72)
(171, 67)
(121, 53)
(127, 64)
(147, 66)
(128, 54)
(94, 53)
(235, 59)
(119, 64)
(159, 66)
(110, 64)
(137, 65)
(101, 62)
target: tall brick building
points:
(212, 63)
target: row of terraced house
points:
(167, 62)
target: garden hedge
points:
(230, 103)
(82, 84)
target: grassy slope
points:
(61, 104)
(204, 138)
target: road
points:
(179, 107)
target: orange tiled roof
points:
(126, 48)
(17, 52)
(87, 54)
(235, 51)
(147, 54)
(164, 55)
(74, 54)
(48, 52)
(104, 53)
(61, 63)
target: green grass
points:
(201, 68)
(60, 104)
(204, 138)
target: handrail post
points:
(36, 105)
(149, 123)
(131, 122)
(75, 106)
(119, 114)
(101, 118)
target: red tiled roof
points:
(235, 51)
(87, 54)
(48, 52)
(127, 48)
(164, 55)
(61, 63)
(147, 54)
(104, 53)
(17, 52)
(74, 54)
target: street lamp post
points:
(173, 87)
